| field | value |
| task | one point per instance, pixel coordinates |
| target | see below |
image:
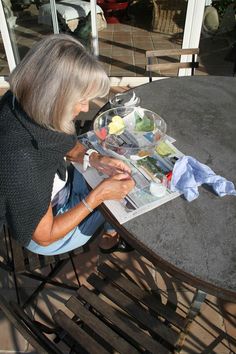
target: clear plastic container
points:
(128, 99)
(130, 132)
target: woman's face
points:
(81, 106)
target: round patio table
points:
(194, 241)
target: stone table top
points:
(194, 240)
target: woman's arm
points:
(51, 229)
(77, 153)
(105, 164)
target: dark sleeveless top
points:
(30, 156)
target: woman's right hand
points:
(114, 188)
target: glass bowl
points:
(129, 132)
(127, 99)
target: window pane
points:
(4, 68)
(26, 24)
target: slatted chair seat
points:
(165, 61)
(112, 315)
(120, 316)
(21, 262)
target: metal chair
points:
(115, 315)
(18, 261)
(171, 60)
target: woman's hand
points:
(108, 165)
(113, 188)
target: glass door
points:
(4, 67)
(22, 23)
(135, 27)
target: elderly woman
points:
(49, 210)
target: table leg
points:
(194, 309)
(198, 299)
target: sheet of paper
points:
(139, 200)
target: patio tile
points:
(138, 267)
(122, 59)
(85, 264)
(141, 36)
(105, 58)
(105, 35)
(140, 31)
(144, 45)
(139, 58)
(140, 70)
(123, 43)
(4, 70)
(122, 33)
(206, 333)
(105, 44)
(48, 303)
(121, 27)
(121, 49)
(11, 341)
(228, 311)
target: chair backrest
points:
(17, 261)
(171, 60)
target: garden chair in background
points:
(168, 16)
(18, 261)
(170, 61)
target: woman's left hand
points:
(108, 165)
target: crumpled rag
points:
(188, 174)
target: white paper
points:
(139, 200)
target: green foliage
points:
(221, 5)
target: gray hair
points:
(56, 74)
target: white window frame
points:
(192, 30)
(6, 39)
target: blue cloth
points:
(80, 234)
(188, 174)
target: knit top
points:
(30, 156)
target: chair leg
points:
(9, 254)
(47, 279)
(150, 72)
(74, 268)
(16, 288)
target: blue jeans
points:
(81, 233)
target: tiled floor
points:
(123, 47)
